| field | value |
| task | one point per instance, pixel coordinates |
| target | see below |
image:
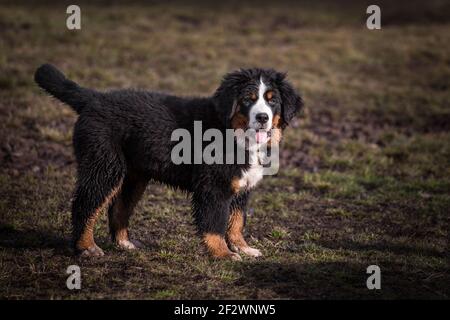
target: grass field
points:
(365, 175)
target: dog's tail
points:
(55, 83)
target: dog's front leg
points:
(236, 225)
(211, 213)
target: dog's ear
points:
(225, 97)
(291, 101)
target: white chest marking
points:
(254, 174)
(251, 177)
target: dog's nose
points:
(262, 117)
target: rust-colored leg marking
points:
(235, 237)
(118, 220)
(235, 227)
(218, 247)
(121, 211)
(86, 243)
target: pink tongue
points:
(261, 137)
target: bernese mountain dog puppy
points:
(122, 141)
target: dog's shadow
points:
(306, 280)
(315, 279)
(13, 238)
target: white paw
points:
(235, 257)
(127, 244)
(252, 252)
(94, 251)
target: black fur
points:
(55, 83)
(123, 138)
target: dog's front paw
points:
(94, 251)
(129, 244)
(234, 256)
(229, 256)
(249, 251)
(252, 252)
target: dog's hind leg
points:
(122, 208)
(100, 178)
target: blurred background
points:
(365, 174)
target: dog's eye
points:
(269, 95)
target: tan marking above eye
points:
(269, 95)
(253, 97)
